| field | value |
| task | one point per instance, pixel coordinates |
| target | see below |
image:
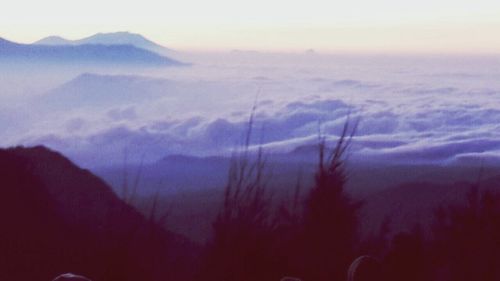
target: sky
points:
(279, 25)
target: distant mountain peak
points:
(53, 40)
(117, 33)
(109, 38)
(97, 53)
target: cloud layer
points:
(406, 113)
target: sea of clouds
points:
(411, 109)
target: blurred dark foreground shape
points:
(71, 277)
(364, 268)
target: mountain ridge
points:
(60, 218)
(89, 90)
(112, 38)
(88, 53)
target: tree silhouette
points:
(331, 216)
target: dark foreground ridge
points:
(59, 218)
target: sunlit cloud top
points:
(329, 25)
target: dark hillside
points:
(59, 218)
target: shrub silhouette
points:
(243, 240)
(330, 215)
(467, 238)
(315, 241)
(241, 248)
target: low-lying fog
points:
(418, 109)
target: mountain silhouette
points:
(60, 218)
(114, 38)
(88, 53)
(101, 91)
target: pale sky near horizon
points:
(279, 25)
